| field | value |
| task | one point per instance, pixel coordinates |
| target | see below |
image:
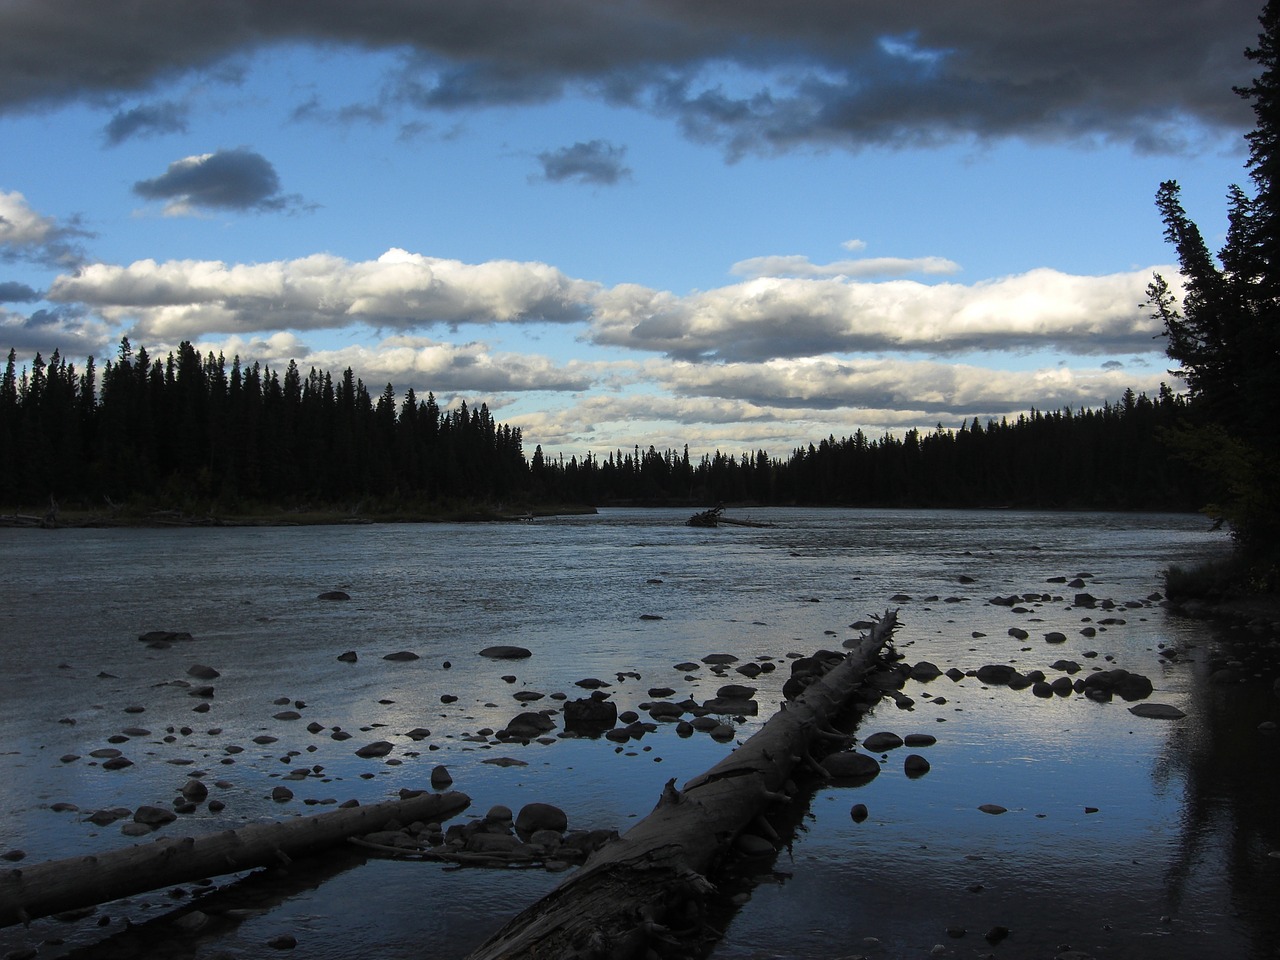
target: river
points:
(1123, 836)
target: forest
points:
(199, 435)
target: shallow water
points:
(1175, 862)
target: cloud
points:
(236, 179)
(595, 162)
(769, 317)
(796, 265)
(752, 76)
(147, 120)
(13, 292)
(191, 298)
(66, 329)
(26, 235)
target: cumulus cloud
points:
(594, 162)
(238, 179)
(748, 75)
(778, 317)
(181, 299)
(66, 329)
(27, 235)
(146, 120)
(796, 265)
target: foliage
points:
(1225, 335)
(197, 436)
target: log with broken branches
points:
(58, 886)
(643, 893)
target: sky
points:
(732, 224)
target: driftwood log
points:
(641, 895)
(58, 886)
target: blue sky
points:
(733, 225)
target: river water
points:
(1123, 836)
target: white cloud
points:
(796, 265)
(771, 317)
(191, 298)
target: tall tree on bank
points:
(1225, 336)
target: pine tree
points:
(1225, 335)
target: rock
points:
(996, 674)
(736, 708)
(721, 658)
(1066, 666)
(418, 733)
(540, 816)
(591, 714)
(1157, 711)
(401, 656)
(440, 777)
(723, 732)
(334, 595)
(506, 652)
(915, 765)
(1018, 633)
(955, 675)
(117, 763)
(348, 657)
(283, 942)
(163, 638)
(665, 710)
(993, 808)
(281, 794)
(1122, 683)
(880, 742)
(851, 765)
(526, 726)
(919, 740)
(195, 790)
(154, 816)
(925, 671)
(591, 683)
(858, 812)
(202, 672)
(1055, 637)
(379, 748)
(733, 691)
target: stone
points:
(1122, 683)
(590, 713)
(734, 691)
(401, 656)
(348, 657)
(281, 794)
(925, 671)
(1055, 636)
(334, 595)
(880, 742)
(379, 748)
(996, 674)
(915, 765)
(195, 790)
(858, 812)
(154, 816)
(919, 740)
(1157, 711)
(506, 652)
(540, 816)
(526, 726)
(993, 808)
(440, 777)
(851, 765)
(202, 672)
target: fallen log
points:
(642, 893)
(58, 886)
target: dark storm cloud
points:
(748, 75)
(13, 292)
(148, 120)
(227, 179)
(594, 162)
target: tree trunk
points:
(62, 885)
(633, 894)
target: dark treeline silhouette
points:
(192, 429)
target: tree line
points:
(192, 429)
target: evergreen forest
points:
(197, 435)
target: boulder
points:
(1157, 711)
(1128, 686)
(851, 765)
(996, 674)
(379, 748)
(334, 595)
(880, 742)
(925, 671)
(540, 816)
(591, 713)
